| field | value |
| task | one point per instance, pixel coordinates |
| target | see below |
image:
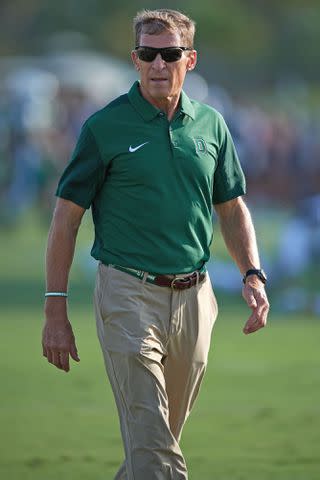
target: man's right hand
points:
(58, 340)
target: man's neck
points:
(167, 105)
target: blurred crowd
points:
(278, 145)
(43, 106)
(42, 110)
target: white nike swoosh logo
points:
(134, 149)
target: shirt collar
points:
(148, 111)
(144, 108)
(186, 106)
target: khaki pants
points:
(155, 343)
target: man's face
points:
(162, 80)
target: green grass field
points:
(257, 417)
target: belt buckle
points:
(175, 280)
(184, 279)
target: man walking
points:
(150, 165)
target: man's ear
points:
(135, 61)
(192, 60)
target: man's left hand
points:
(255, 295)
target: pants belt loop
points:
(145, 276)
(197, 274)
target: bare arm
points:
(239, 235)
(57, 338)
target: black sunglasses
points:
(168, 54)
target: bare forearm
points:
(60, 251)
(239, 234)
(58, 340)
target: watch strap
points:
(255, 271)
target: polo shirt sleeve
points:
(229, 181)
(85, 173)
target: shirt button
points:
(161, 114)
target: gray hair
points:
(154, 22)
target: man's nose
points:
(158, 62)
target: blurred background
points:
(259, 66)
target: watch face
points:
(255, 271)
(263, 273)
(263, 277)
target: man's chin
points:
(160, 91)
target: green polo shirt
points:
(151, 183)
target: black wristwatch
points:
(255, 271)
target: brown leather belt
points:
(179, 283)
(176, 282)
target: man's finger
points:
(56, 359)
(49, 355)
(250, 325)
(74, 352)
(256, 322)
(251, 328)
(264, 315)
(260, 297)
(259, 311)
(249, 297)
(64, 361)
(262, 310)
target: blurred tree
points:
(241, 42)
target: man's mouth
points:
(158, 79)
